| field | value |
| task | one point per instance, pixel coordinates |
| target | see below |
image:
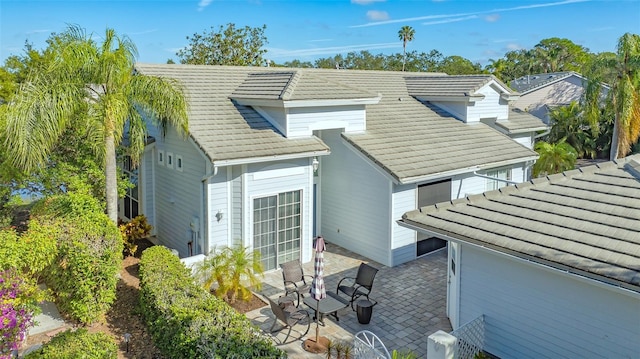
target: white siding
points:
(301, 122)
(403, 241)
(267, 179)
(467, 184)
(491, 106)
(147, 188)
(356, 202)
(276, 116)
(524, 139)
(219, 197)
(456, 109)
(236, 205)
(178, 194)
(531, 312)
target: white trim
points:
(308, 103)
(280, 172)
(271, 120)
(230, 207)
(244, 161)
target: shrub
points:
(78, 344)
(83, 276)
(185, 321)
(231, 269)
(16, 311)
(31, 252)
(133, 230)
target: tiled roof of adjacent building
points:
(584, 221)
(409, 139)
(529, 83)
(449, 86)
(521, 121)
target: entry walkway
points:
(411, 303)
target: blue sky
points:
(477, 30)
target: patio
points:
(411, 303)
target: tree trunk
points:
(110, 176)
(615, 138)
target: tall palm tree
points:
(554, 158)
(98, 83)
(624, 93)
(405, 34)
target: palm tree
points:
(405, 34)
(554, 158)
(624, 94)
(97, 83)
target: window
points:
(503, 173)
(161, 157)
(179, 163)
(430, 194)
(277, 228)
(170, 160)
(131, 204)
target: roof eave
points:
(306, 103)
(458, 98)
(249, 160)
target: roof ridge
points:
(290, 87)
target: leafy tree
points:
(97, 84)
(554, 158)
(624, 94)
(556, 54)
(568, 123)
(457, 65)
(405, 34)
(227, 46)
(298, 64)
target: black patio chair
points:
(290, 316)
(362, 283)
(295, 281)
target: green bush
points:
(31, 252)
(83, 276)
(186, 321)
(79, 344)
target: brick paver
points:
(411, 303)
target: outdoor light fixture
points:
(219, 215)
(127, 336)
(315, 164)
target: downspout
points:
(205, 215)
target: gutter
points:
(244, 161)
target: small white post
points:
(440, 345)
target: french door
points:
(277, 228)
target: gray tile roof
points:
(411, 140)
(585, 221)
(224, 130)
(529, 83)
(449, 86)
(521, 121)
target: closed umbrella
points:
(318, 292)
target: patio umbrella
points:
(318, 291)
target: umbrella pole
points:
(317, 321)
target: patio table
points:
(329, 305)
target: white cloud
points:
(365, 2)
(320, 40)
(203, 3)
(429, 17)
(513, 47)
(275, 53)
(375, 15)
(446, 21)
(492, 17)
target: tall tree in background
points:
(227, 46)
(96, 83)
(554, 158)
(624, 94)
(405, 34)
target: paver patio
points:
(411, 303)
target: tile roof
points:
(449, 86)
(585, 221)
(529, 83)
(410, 139)
(521, 121)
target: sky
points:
(478, 30)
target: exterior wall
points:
(276, 116)
(456, 109)
(178, 194)
(147, 164)
(403, 240)
(533, 312)
(266, 179)
(467, 184)
(301, 122)
(491, 106)
(561, 92)
(218, 195)
(356, 202)
(237, 205)
(525, 139)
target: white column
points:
(440, 345)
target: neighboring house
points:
(540, 93)
(276, 156)
(553, 264)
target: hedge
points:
(83, 276)
(78, 344)
(185, 321)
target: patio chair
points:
(361, 285)
(295, 281)
(290, 316)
